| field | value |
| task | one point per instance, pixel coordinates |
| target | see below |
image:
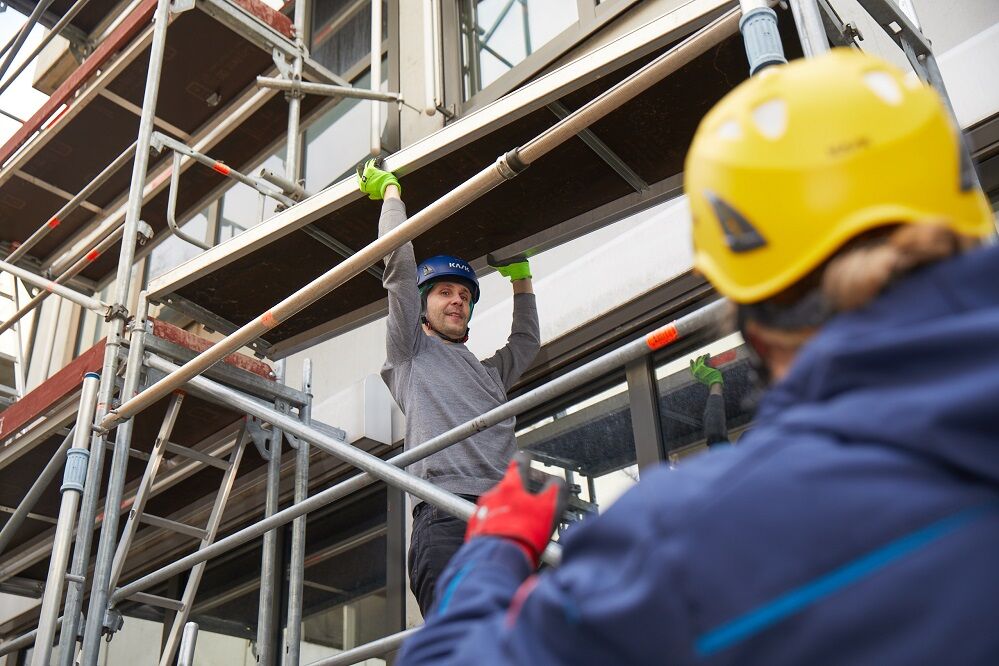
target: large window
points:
(339, 140)
(683, 399)
(341, 33)
(589, 442)
(496, 35)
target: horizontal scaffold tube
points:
(505, 168)
(124, 158)
(374, 649)
(327, 90)
(97, 306)
(70, 273)
(584, 374)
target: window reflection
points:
(590, 443)
(340, 139)
(341, 36)
(244, 207)
(498, 34)
(683, 399)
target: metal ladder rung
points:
(156, 600)
(197, 455)
(168, 524)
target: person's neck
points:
(454, 340)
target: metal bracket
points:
(181, 6)
(260, 437)
(281, 62)
(117, 311)
(292, 440)
(113, 622)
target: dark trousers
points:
(437, 535)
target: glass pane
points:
(341, 34)
(498, 34)
(244, 207)
(174, 251)
(339, 140)
(588, 442)
(683, 400)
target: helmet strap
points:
(457, 341)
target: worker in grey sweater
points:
(439, 383)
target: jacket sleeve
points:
(715, 426)
(399, 280)
(523, 344)
(613, 600)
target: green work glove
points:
(519, 270)
(704, 373)
(372, 180)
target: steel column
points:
(646, 424)
(296, 574)
(185, 656)
(73, 483)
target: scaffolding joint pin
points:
(510, 165)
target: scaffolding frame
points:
(98, 416)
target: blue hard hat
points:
(444, 266)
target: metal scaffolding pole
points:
(22, 35)
(98, 306)
(185, 656)
(811, 32)
(74, 480)
(270, 580)
(116, 478)
(375, 648)
(376, 76)
(296, 570)
(91, 494)
(505, 168)
(73, 204)
(52, 34)
(658, 339)
(327, 90)
(293, 149)
(70, 273)
(37, 488)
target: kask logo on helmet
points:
(460, 267)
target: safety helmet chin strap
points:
(458, 341)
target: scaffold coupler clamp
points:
(74, 477)
(510, 165)
(117, 311)
(762, 39)
(113, 622)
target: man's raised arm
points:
(399, 278)
(525, 332)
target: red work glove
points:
(513, 512)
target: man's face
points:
(449, 305)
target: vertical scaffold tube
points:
(811, 32)
(296, 573)
(74, 480)
(116, 479)
(376, 76)
(269, 574)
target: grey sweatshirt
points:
(440, 385)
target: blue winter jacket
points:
(857, 523)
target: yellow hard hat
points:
(797, 161)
